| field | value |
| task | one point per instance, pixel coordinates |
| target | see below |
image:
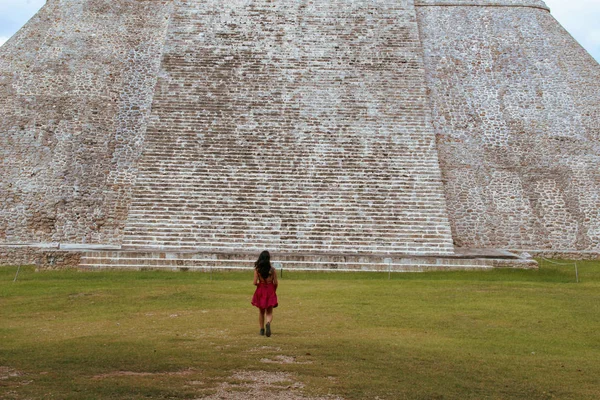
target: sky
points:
(580, 17)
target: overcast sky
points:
(580, 17)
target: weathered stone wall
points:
(516, 109)
(299, 126)
(75, 89)
(294, 126)
(42, 258)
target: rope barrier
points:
(567, 264)
(558, 263)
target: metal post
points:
(18, 269)
(388, 261)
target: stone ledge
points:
(563, 254)
(139, 259)
(43, 259)
(483, 3)
(485, 253)
(208, 260)
(77, 246)
(29, 245)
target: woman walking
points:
(265, 296)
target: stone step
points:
(316, 194)
(228, 206)
(231, 204)
(325, 238)
(331, 214)
(271, 220)
(292, 184)
(357, 141)
(197, 158)
(249, 227)
(334, 233)
(193, 160)
(294, 249)
(150, 220)
(368, 247)
(300, 147)
(312, 164)
(184, 150)
(279, 173)
(204, 261)
(402, 244)
(314, 201)
(291, 181)
(320, 194)
(383, 225)
(254, 223)
(261, 218)
(318, 201)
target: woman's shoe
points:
(268, 329)
(262, 332)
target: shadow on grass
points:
(550, 271)
(564, 272)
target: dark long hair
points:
(263, 264)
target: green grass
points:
(502, 334)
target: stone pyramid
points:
(341, 133)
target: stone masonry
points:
(293, 126)
(76, 85)
(386, 127)
(516, 109)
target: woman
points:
(265, 297)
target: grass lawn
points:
(502, 334)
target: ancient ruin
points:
(378, 134)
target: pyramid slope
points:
(516, 109)
(76, 85)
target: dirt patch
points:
(11, 379)
(116, 374)
(247, 385)
(7, 373)
(265, 349)
(281, 359)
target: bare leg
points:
(269, 319)
(261, 318)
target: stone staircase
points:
(183, 203)
(269, 146)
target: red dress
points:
(264, 295)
